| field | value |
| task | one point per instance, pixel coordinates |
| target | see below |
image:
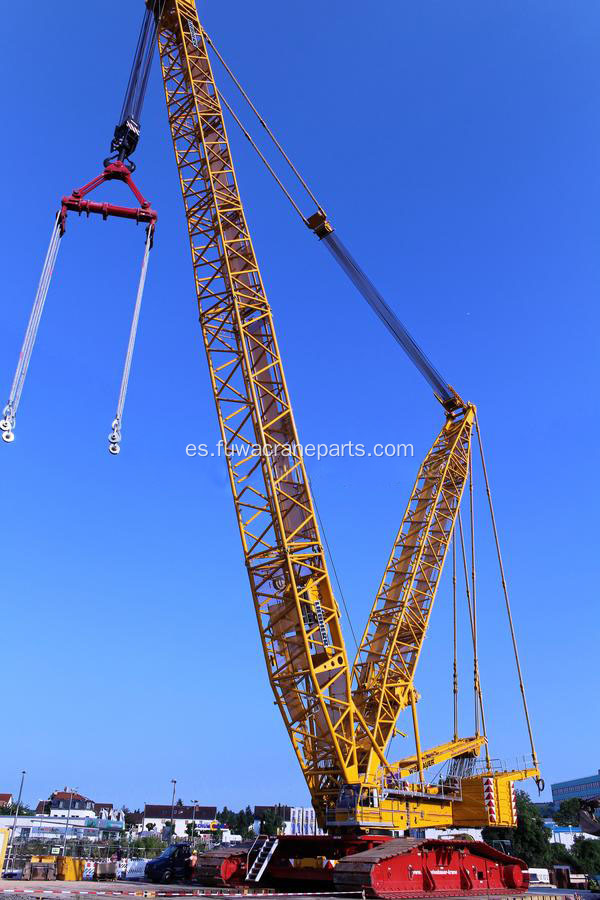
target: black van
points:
(171, 865)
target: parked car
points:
(539, 878)
(171, 865)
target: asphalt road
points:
(19, 890)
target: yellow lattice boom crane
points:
(341, 716)
(340, 734)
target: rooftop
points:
(586, 779)
(158, 811)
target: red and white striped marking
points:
(513, 801)
(489, 799)
(190, 893)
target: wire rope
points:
(114, 439)
(7, 423)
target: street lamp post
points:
(17, 808)
(174, 783)
(194, 821)
(64, 847)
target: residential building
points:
(70, 804)
(6, 799)
(157, 815)
(586, 788)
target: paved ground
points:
(18, 890)
(114, 888)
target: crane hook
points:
(114, 438)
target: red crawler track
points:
(385, 868)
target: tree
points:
(587, 855)
(560, 856)
(271, 822)
(190, 829)
(530, 839)
(238, 822)
(152, 842)
(546, 810)
(11, 809)
(150, 826)
(568, 812)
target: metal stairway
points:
(266, 850)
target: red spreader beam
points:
(115, 171)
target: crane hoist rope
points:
(7, 423)
(127, 130)
(114, 439)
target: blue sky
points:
(455, 147)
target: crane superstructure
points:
(340, 716)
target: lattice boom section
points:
(387, 657)
(295, 607)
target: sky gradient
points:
(455, 148)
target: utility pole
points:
(174, 783)
(17, 808)
(194, 821)
(64, 848)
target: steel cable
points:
(7, 423)
(114, 438)
(507, 601)
(340, 253)
(389, 318)
(244, 94)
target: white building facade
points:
(157, 817)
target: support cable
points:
(474, 596)
(365, 286)
(324, 231)
(209, 41)
(257, 149)
(7, 423)
(507, 604)
(329, 553)
(478, 694)
(455, 664)
(114, 438)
